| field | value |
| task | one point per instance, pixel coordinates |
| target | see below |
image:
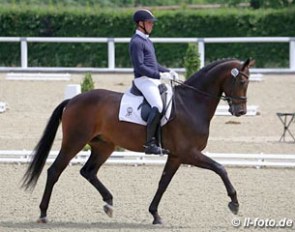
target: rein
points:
(229, 99)
(222, 97)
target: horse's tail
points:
(43, 147)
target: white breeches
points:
(150, 90)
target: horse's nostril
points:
(241, 112)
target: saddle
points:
(145, 107)
(134, 108)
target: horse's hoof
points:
(158, 222)
(42, 220)
(234, 207)
(108, 209)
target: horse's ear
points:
(248, 63)
(252, 63)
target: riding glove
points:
(168, 76)
(174, 75)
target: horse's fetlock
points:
(43, 209)
(233, 195)
(109, 200)
(152, 210)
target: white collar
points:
(141, 34)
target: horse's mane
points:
(208, 67)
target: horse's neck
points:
(197, 103)
(205, 92)
(209, 82)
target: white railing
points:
(111, 42)
(135, 158)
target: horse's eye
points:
(243, 82)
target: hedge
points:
(96, 22)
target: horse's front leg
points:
(200, 160)
(170, 169)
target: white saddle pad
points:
(129, 111)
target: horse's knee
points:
(88, 175)
(85, 173)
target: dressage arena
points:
(196, 199)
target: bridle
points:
(235, 74)
(230, 99)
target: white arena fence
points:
(111, 42)
(135, 158)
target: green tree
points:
(87, 83)
(191, 60)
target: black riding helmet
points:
(143, 15)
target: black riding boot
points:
(153, 122)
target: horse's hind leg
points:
(202, 161)
(100, 151)
(53, 174)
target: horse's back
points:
(95, 96)
(94, 100)
(96, 114)
(90, 108)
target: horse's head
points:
(235, 87)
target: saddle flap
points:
(134, 108)
(145, 106)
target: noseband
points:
(235, 73)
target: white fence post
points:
(24, 52)
(111, 53)
(201, 48)
(292, 54)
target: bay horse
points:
(92, 118)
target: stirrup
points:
(154, 149)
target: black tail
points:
(43, 147)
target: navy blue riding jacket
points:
(143, 57)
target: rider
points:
(148, 72)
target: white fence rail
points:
(222, 110)
(134, 158)
(111, 42)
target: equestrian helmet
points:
(143, 15)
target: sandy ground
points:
(32, 102)
(196, 199)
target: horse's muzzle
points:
(238, 110)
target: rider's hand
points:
(174, 75)
(166, 76)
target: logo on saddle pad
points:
(129, 111)
(135, 109)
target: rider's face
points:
(148, 25)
